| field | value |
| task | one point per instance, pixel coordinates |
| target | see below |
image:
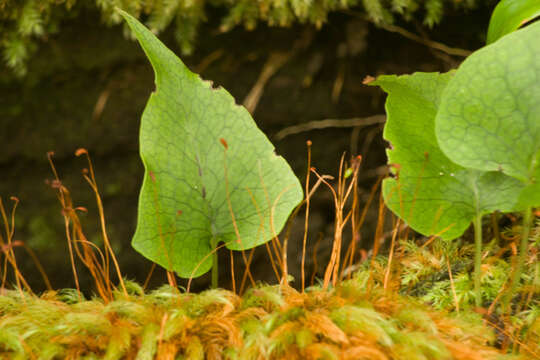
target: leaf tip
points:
(127, 16)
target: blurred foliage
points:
(26, 23)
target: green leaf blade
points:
(210, 174)
(489, 118)
(432, 194)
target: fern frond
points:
(434, 12)
(15, 54)
(28, 19)
(377, 12)
(30, 22)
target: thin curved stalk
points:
(215, 270)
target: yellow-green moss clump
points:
(268, 322)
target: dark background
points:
(87, 87)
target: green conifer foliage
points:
(25, 23)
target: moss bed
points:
(267, 322)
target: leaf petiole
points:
(478, 260)
(215, 270)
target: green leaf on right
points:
(510, 15)
(489, 116)
(430, 192)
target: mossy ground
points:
(267, 322)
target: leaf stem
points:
(215, 270)
(478, 259)
(526, 228)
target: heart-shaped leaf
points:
(509, 15)
(433, 194)
(210, 174)
(489, 117)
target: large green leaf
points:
(433, 194)
(489, 118)
(208, 169)
(509, 15)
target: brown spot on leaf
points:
(224, 143)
